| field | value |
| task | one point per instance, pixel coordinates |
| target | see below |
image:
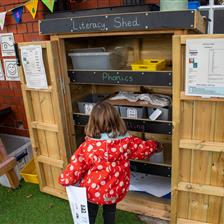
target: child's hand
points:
(159, 147)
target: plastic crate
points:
(86, 104)
(132, 112)
(149, 65)
(29, 173)
(19, 147)
(193, 4)
(165, 115)
(98, 58)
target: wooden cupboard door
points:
(198, 148)
(45, 111)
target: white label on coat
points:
(78, 204)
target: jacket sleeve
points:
(141, 149)
(79, 164)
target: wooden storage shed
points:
(193, 144)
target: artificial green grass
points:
(27, 205)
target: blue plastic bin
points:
(193, 4)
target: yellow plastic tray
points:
(149, 65)
(29, 173)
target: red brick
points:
(6, 92)
(35, 27)
(21, 28)
(103, 3)
(9, 20)
(116, 3)
(19, 38)
(27, 17)
(44, 37)
(29, 27)
(12, 28)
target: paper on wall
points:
(155, 185)
(7, 44)
(78, 204)
(205, 67)
(33, 66)
(11, 70)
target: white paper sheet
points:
(155, 185)
(33, 65)
(78, 204)
(7, 44)
(11, 70)
(205, 67)
(1, 72)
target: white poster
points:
(205, 67)
(78, 204)
(11, 70)
(1, 72)
(33, 66)
(7, 44)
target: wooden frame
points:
(45, 109)
(198, 181)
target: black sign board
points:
(119, 22)
(134, 125)
(122, 77)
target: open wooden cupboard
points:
(56, 125)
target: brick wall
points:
(10, 91)
(27, 30)
(90, 4)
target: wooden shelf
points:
(122, 77)
(139, 125)
(144, 204)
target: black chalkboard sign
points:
(119, 22)
(160, 78)
(133, 125)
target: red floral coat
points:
(103, 167)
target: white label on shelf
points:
(132, 113)
(155, 114)
(88, 108)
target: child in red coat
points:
(102, 164)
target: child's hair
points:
(104, 118)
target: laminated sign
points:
(78, 204)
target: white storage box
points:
(98, 58)
(19, 147)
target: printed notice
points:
(7, 44)
(205, 67)
(33, 66)
(78, 204)
(11, 70)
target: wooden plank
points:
(145, 205)
(50, 161)
(201, 189)
(201, 145)
(65, 96)
(185, 159)
(176, 55)
(199, 36)
(7, 165)
(44, 126)
(187, 221)
(51, 191)
(48, 90)
(193, 98)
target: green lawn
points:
(27, 205)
